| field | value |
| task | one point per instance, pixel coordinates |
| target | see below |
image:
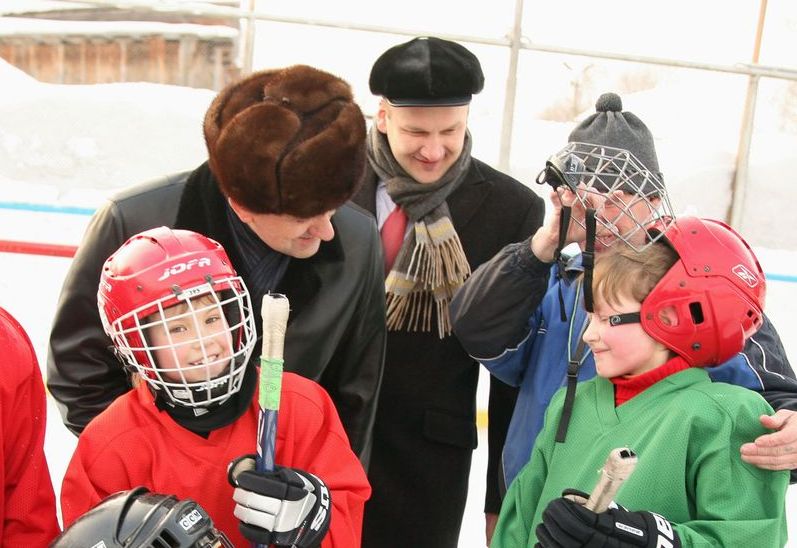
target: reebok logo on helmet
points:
(745, 275)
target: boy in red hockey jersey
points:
(27, 500)
(181, 318)
(661, 315)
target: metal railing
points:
(515, 41)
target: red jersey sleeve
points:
(27, 502)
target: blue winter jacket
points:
(508, 317)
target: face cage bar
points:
(242, 337)
(616, 185)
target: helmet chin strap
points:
(588, 258)
(587, 255)
(564, 225)
(588, 262)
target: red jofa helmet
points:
(716, 288)
(172, 294)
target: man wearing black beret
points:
(441, 214)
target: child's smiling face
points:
(197, 342)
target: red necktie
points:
(393, 236)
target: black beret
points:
(427, 71)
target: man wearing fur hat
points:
(441, 214)
(523, 312)
(286, 151)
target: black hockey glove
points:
(286, 507)
(568, 524)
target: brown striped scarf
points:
(431, 264)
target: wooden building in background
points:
(104, 45)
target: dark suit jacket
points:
(425, 430)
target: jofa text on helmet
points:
(179, 268)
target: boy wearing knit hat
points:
(286, 150)
(441, 213)
(522, 316)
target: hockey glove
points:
(568, 524)
(286, 507)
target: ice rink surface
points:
(31, 284)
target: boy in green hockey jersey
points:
(660, 315)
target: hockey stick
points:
(274, 314)
(618, 466)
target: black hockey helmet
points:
(140, 519)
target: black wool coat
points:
(425, 429)
(336, 327)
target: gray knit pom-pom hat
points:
(612, 127)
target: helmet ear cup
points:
(716, 290)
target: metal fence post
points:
(505, 150)
(248, 37)
(739, 185)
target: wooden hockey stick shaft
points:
(618, 467)
(274, 314)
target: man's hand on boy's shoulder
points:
(778, 450)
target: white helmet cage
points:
(191, 384)
(614, 183)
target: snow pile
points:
(73, 143)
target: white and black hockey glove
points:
(568, 524)
(286, 507)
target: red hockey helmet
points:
(173, 294)
(716, 290)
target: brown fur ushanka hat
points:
(287, 141)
